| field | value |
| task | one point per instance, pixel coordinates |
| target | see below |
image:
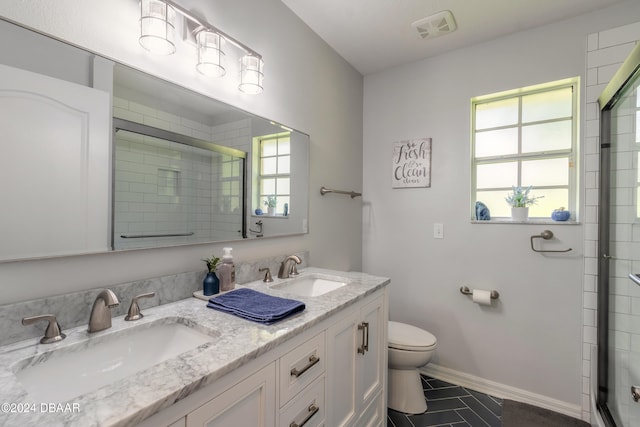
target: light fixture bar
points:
(208, 27)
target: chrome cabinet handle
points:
(635, 393)
(53, 332)
(313, 359)
(311, 411)
(364, 327)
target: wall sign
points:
(411, 164)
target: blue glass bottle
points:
(210, 284)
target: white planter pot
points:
(271, 211)
(519, 214)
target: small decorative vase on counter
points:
(519, 214)
(210, 284)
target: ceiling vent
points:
(435, 25)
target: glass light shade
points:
(157, 27)
(251, 74)
(210, 54)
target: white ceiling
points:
(376, 34)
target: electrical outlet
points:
(438, 231)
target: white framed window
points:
(526, 137)
(274, 172)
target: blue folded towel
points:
(482, 212)
(256, 306)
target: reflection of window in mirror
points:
(230, 181)
(273, 177)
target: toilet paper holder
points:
(466, 291)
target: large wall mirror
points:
(143, 163)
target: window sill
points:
(276, 216)
(530, 221)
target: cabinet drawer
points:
(307, 409)
(300, 367)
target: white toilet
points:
(409, 348)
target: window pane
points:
(497, 142)
(497, 175)
(284, 165)
(283, 186)
(269, 147)
(497, 113)
(546, 137)
(267, 186)
(545, 172)
(269, 166)
(494, 200)
(284, 146)
(553, 199)
(547, 105)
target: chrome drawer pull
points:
(364, 327)
(313, 359)
(311, 411)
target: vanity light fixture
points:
(210, 53)
(251, 74)
(157, 31)
(157, 27)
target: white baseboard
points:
(500, 390)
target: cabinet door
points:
(372, 364)
(341, 371)
(54, 166)
(249, 403)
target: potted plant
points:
(270, 203)
(520, 200)
(211, 283)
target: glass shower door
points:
(619, 241)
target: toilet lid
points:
(408, 337)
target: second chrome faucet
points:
(100, 318)
(286, 270)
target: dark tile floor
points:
(449, 405)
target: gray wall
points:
(531, 339)
(307, 86)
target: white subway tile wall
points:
(163, 187)
(606, 51)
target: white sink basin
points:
(310, 286)
(66, 373)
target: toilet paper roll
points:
(482, 297)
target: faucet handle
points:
(53, 332)
(134, 309)
(267, 275)
(294, 270)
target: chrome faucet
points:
(100, 318)
(286, 271)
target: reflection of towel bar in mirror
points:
(140, 236)
(325, 190)
(466, 291)
(546, 235)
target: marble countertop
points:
(235, 342)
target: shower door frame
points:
(607, 101)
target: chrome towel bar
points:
(546, 235)
(140, 236)
(325, 190)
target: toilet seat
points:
(410, 338)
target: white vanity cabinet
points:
(251, 402)
(356, 366)
(333, 374)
